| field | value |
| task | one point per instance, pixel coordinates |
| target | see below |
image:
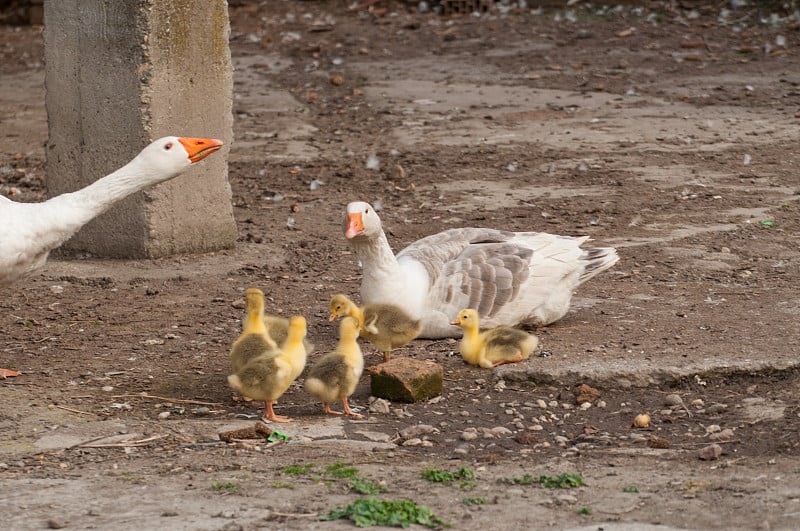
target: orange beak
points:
(332, 317)
(354, 225)
(455, 322)
(199, 148)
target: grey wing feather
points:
(484, 276)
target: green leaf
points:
(368, 512)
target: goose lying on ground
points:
(508, 277)
(32, 230)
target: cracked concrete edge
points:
(640, 377)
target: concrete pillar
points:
(120, 74)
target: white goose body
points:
(508, 277)
(31, 230)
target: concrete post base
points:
(120, 74)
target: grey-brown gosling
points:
(384, 325)
(335, 375)
(270, 374)
(495, 346)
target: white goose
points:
(508, 277)
(31, 230)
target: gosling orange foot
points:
(270, 414)
(8, 373)
(349, 411)
(327, 409)
(387, 356)
(518, 358)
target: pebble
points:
(55, 523)
(107, 388)
(586, 405)
(536, 427)
(461, 450)
(164, 415)
(202, 410)
(714, 409)
(724, 435)
(710, 452)
(601, 403)
(698, 402)
(500, 430)
(561, 440)
(673, 400)
(713, 428)
(541, 403)
(416, 441)
(380, 405)
(470, 434)
(553, 403)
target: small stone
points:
(541, 403)
(55, 523)
(561, 440)
(586, 405)
(107, 388)
(461, 450)
(553, 403)
(698, 402)
(657, 442)
(641, 421)
(418, 430)
(715, 409)
(201, 411)
(500, 430)
(586, 393)
(724, 435)
(163, 415)
(380, 405)
(601, 403)
(710, 452)
(566, 499)
(713, 428)
(536, 427)
(416, 441)
(673, 400)
(468, 435)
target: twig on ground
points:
(167, 399)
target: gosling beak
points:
(354, 225)
(455, 322)
(200, 148)
(332, 317)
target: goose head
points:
(361, 220)
(170, 156)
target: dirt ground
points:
(666, 129)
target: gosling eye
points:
(167, 146)
(366, 211)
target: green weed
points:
(368, 512)
(443, 476)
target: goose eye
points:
(167, 146)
